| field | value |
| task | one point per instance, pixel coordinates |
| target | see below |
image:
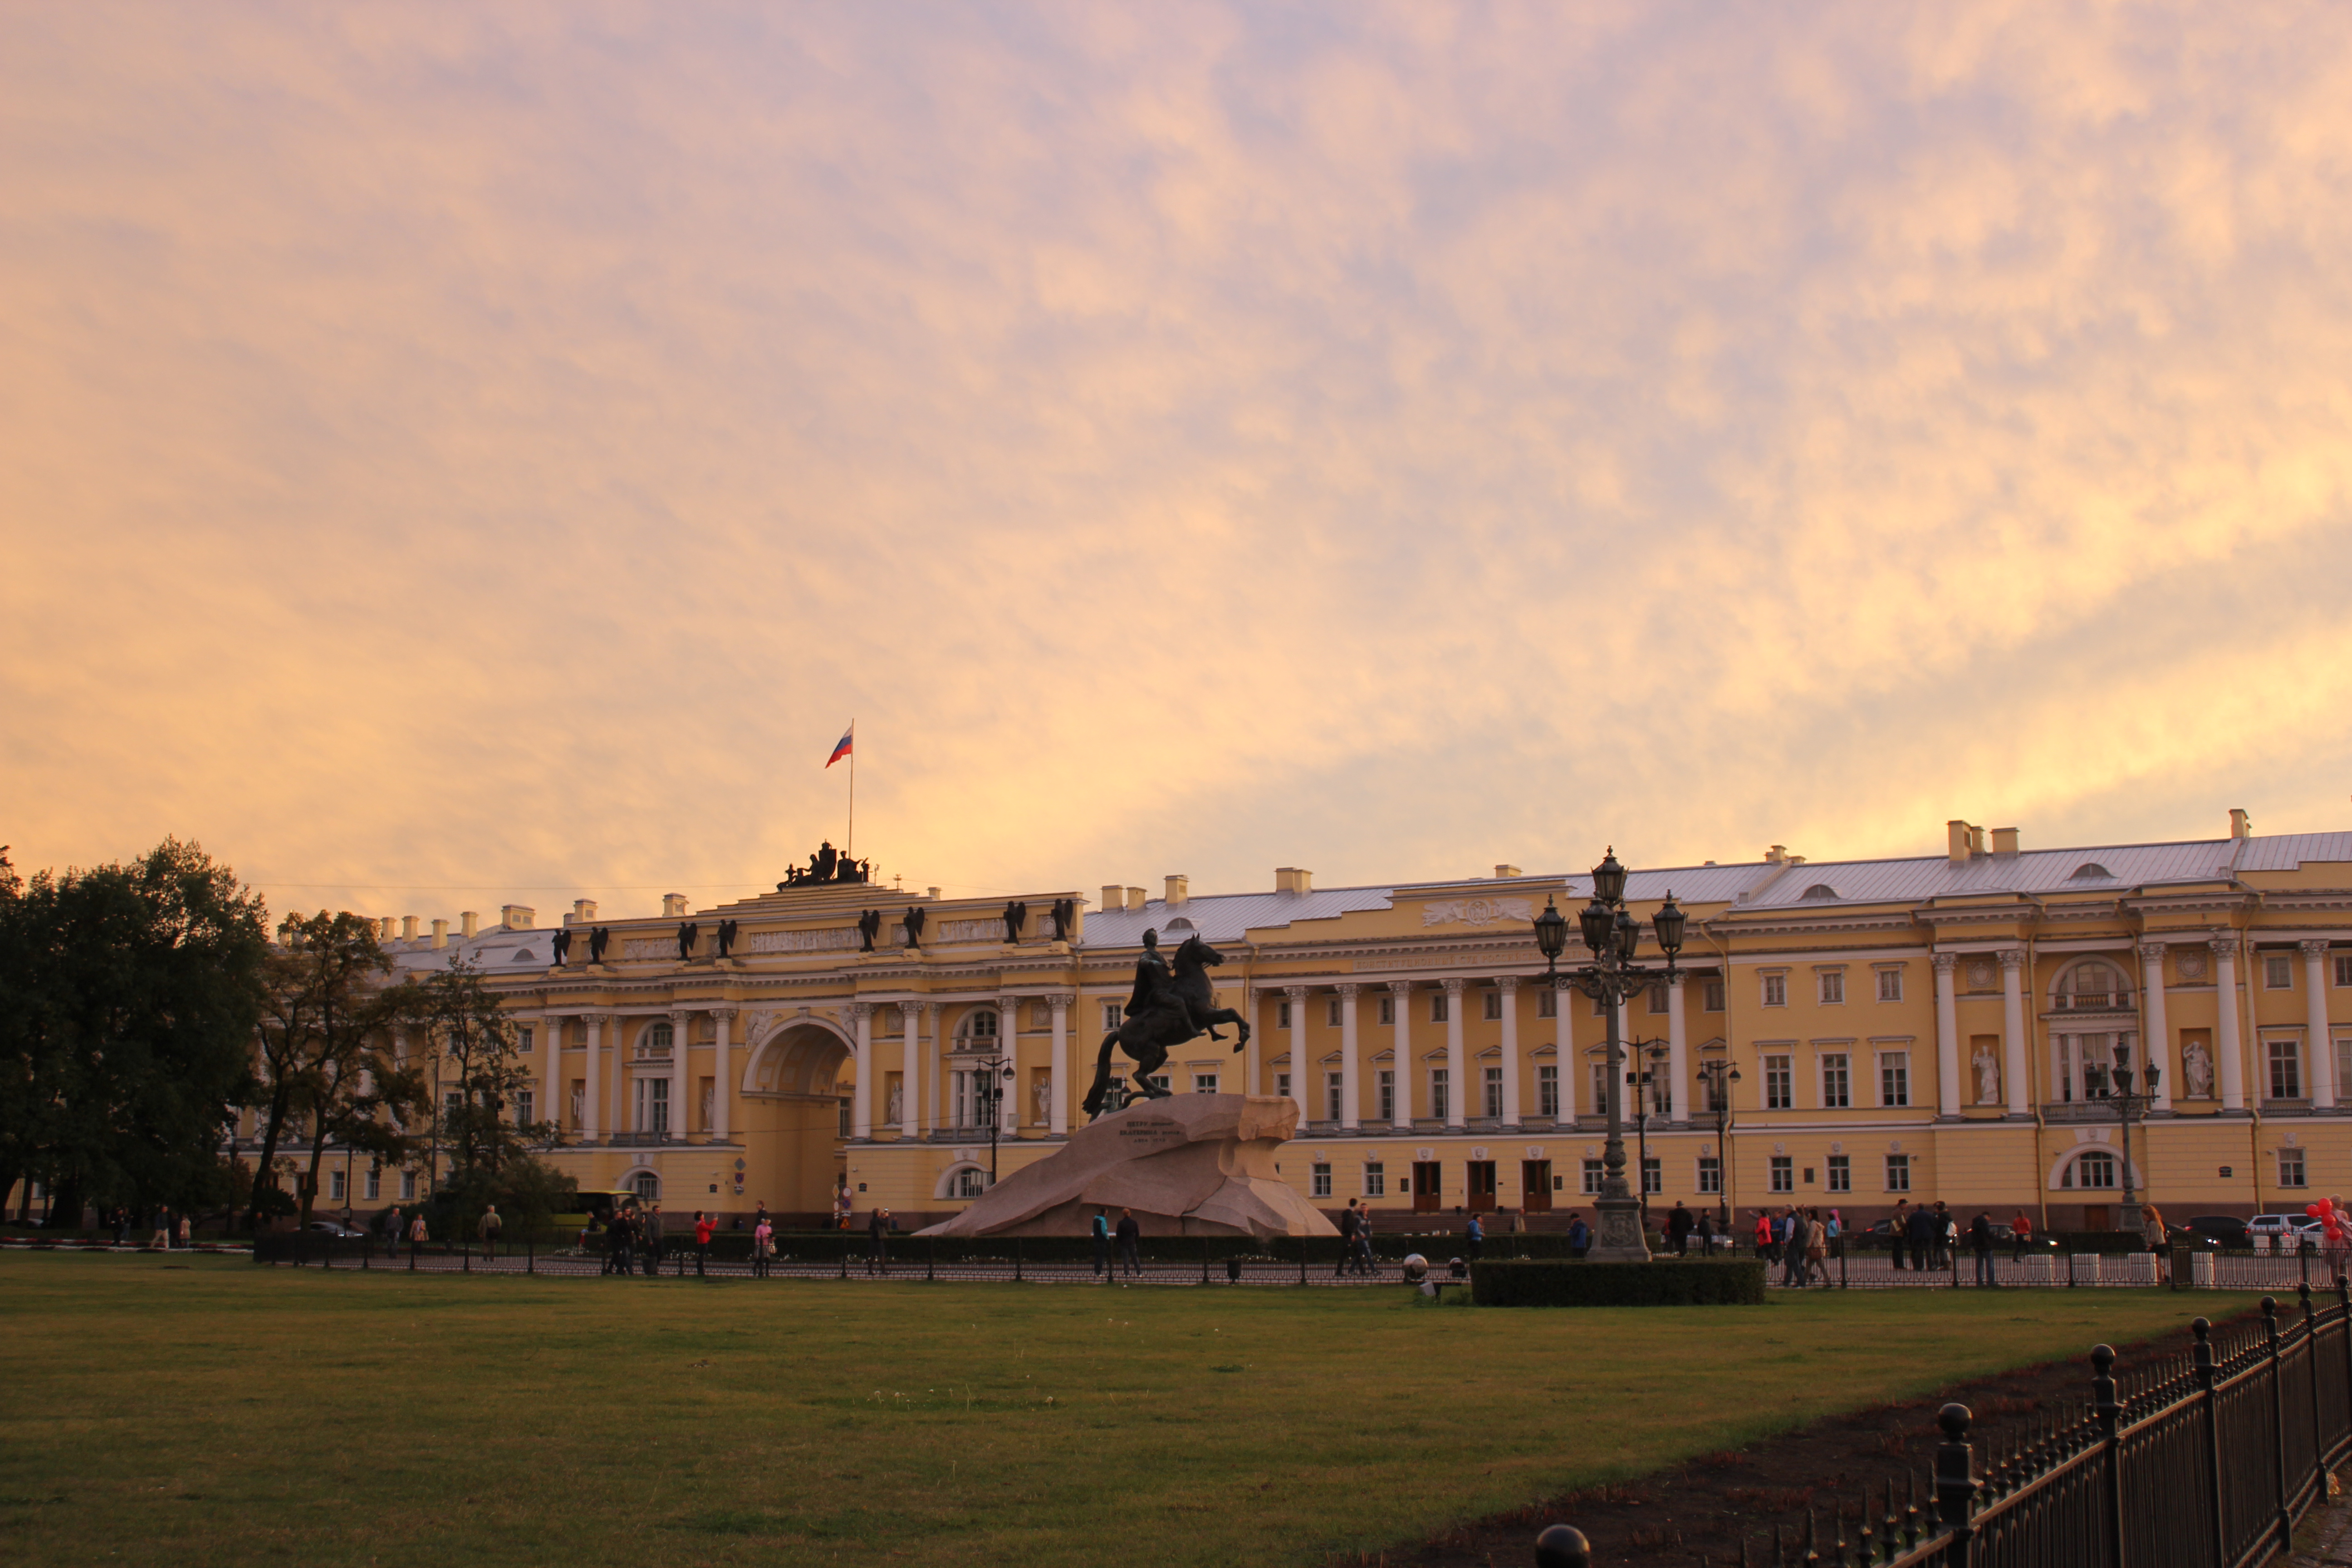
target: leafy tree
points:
(130, 994)
(476, 1067)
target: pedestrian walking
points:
(1898, 1230)
(1127, 1234)
(1794, 1234)
(1767, 1246)
(2021, 1231)
(1579, 1235)
(1101, 1231)
(1981, 1243)
(1707, 1233)
(1948, 1238)
(621, 1242)
(763, 1245)
(878, 1241)
(651, 1221)
(187, 1230)
(1349, 1220)
(121, 1225)
(1680, 1223)
(1474, 1238)
(416, 1238)
(702, 1244)
(2152, 1227)
(162, 1240)
(491, 1226)
(1817, 1248)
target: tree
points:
(475, 1063)
(130, 994)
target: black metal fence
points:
(2203, 1461)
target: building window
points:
(840, 1115)
(1438, 1011)
(1494, 1086)
(1490, 1004)
(407, 1186)
(1112, 1018)
(1600, 1090)
(648, 1185)
(1282, 1015)
(1376, 1179)
(1711, 994)
(2291, 1168)
(1890, 985)
(1776, 990)
(374, 1185)
(335, 1192)
(1386, 1079)
(2344, 969)
(1282, 1086)
(1334, 1091)
(1658, 999)
(1832, 985)
(1592, 1173)
(2343, 1066)
(1784, 1173)
(1320, 1179)
(2095, 1170)
(1710, 1173)
(2278, 972)
(1440, 1102)
(1548, 1093)
(2286, 1070)
(1836, 1092)
(970, 1184)
(524, 1040)
(1841, 1173)
(1895, 1078)
(1331, 1012)
(2096, 987)
(1204, 1083)
(1547, 1002)
(1898, 1172)
(1779, 1084)
(526, 1101)
(1654, 1181)
(1388, 1010)
(1158, 1081)
(657, 1042)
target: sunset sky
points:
(460, 454)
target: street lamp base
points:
(1617, 1239)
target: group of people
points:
(1800, 1240)
(1356, 1240)
(1122, 1236)
(635, 1239)
(167, 1235)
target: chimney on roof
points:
(1292, 880)
(2004, 841)
(1956, 841)
(517, 917)
(1114, 896)
(383, 928)
(1180, 889)
(1777, 855)
(408, 928)
(934, 892)
(673, 905)
(1506, 871)
(440, 933)
(470, 920)
(1135, 899)
(2241, 825)
(583, 911)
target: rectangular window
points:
(1548, 1093)
(526, 1101)
(2344, 969)
(1592, 1173)
(335, 1186)
(1776, 990)
(1895, 1078)
(1898, 1172)
(1779, 1087)
(1204, 1083)
(1112, 1018)
(1836, 1092)
(1654, 1181)
(1712, 995)
(1600, 1090)
(1441, 1104)
(1547, 1002)
(1437, 1009)
(1841, 1173)
(1890, 985)
(843, 1121)
(1331, 1012)
(2291, 1168)
(2286, 1069)
(1388, 1010)
(1282, 1015)
(1710, 1173)
(1784, 1173)
(1376, 1179)
(1490, 1004)
(1282, 1086)
(2278, 972)
(1322, 1180)
(2343, 1066)
(407, 1186)
(1492, 1082)
(374, 1185)
(1159, 1080)
(1833, 982)
(1386, 1079)
(523, 1040)
(1658, 999)
(1334, 1091)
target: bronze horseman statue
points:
(1165, 1009)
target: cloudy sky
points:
(454, 454)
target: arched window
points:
(646, 1185)
(2091, 871)
(1820, 892)
(2093, 1170)
(977, 1030)
(970, 1184)
(2093, 986)
(654, 1044)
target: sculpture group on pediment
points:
(827, 867)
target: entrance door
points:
(1535, 1183)
(2096, 1218)
(1426, 1193)
(1482, 1186)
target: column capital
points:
(1673, 981)
(2012, 958)
(1454, 985)
(1946, 963)
(724, 1015)
(1061, 1001)
(1348, 988)
(2316, 947)
(931, 1010)
(861, 1010)
(1401, 988)
(2224, 943)
(1007, 1004)
(679, 1015)
(1295, 992)
(2153, 951)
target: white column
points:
(1016, 1088)
(722, 1076)
(1401, 1042)
(861, 1097)
(1677, 1051)
(1059, 1124)
(1508, 986)
(1563, 1049)
(910, 1070)
(2314, 1025)
(932, 1012)
(680, 1024)
(2233, 1052)
(2154, 1033)
(2013, 1027)
(1456, 1080)
(550, 1030)
(592, 1122)
(1351, 1076)
(1298, 1069)
(1948, 1099)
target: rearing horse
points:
(1148, 1036)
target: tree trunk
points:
(265, 1172)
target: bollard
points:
(1563, 1546)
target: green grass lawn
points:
(204, 1411)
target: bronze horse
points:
(1149, 1036)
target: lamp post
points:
(2114, 1085)
(1719, 1076)
(1645, 1085)
(989, 1077)
(1614, 937)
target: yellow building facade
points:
(1928, 1028)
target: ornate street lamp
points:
(2114, 1085)
(1613, 937)
(1645, 1085)
(989, 1077)
(1719, 1076)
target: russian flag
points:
(842, 750)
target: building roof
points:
(1228, 917)
(2115, 868)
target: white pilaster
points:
(1349, 1074)
(1948, 1074)
(861, 1094)
(1509, 987)
(1400, 1043)
(551, 1043)
(1300, 1069)
(1677, 1051)
(933, 1015)
(1457, 1084)
(591, 1121)
(2232, 1065)
(1563, 1050)
(2155, 1033)
(910, 1070)
(1059, 1123)
(723, 1073)
(680, 1036)
(2314, 1026)
(1016, 1088)
(2012, 1028)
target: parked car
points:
(2219, 1230)
(2282, 1223)
(336, 1230)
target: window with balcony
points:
(1780, 1084)
(1492, 1083)
(1334, 1094)
(1385, 1081)
(2093, 987)
(1282, 1086)
(1600, 1100)
(1441, 1104)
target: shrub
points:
(1542, 1283)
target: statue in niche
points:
(1041, 1094)
(599, 938)
(1064, 914)
(895, 1113)
(869, 926)
(2197, 1066)
(1016, 915)
(1988, 1068)
(688, 933)
(563, 945)
(707, 1092)
(913, 922)
(726, 938)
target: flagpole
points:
(849, 849)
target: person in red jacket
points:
(701, 1242)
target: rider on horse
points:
(1155, 989)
